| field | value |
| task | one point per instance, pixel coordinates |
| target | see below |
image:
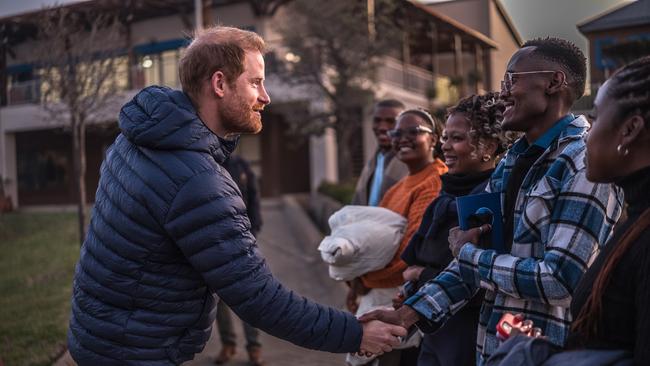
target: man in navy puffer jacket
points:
(169, 229)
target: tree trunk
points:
(343, 143)
(79, 159)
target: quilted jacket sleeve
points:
(208, 222)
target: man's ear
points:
(631, 130)
(557, 82)
(218, 83)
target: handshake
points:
(384, 329)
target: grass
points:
(37, 257)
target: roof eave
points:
(456, 24)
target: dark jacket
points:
(394, 171)
(168, 231)
(429, 246)
(241, 172)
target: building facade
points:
(617, 36)
(35, 153)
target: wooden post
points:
(406, 59)
(435, 64)
(480, 70)
(458, 62)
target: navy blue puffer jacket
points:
(168, 232)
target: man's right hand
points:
(380, 337)
(405, 316)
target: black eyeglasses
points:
(509, 79)
(410, 132)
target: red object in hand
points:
(505, 325)
(509, 324)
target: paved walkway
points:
(298, 265)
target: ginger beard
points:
(240, 117)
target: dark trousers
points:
(227, 331)
(454, 344)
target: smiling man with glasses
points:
(554, 218)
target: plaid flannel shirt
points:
(560, 220)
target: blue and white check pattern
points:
(560, 220)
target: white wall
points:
(8, 164)
(323, 159)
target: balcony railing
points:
(24, 92)
(414, 79)
(29, 92)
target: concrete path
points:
(288, 240)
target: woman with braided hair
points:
(472, 141)
(611, 305)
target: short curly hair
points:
(565, 54)
(484, 114)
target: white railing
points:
(415, 79)
(24, 92)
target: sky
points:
(558, 18)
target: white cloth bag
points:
(363, 239)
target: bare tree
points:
(77, 58)
(336, 46)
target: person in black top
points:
(472, 141)
(611, 305)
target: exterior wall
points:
(469, 12)
(599, 69)
(483, 16)
(237, 15)
(508, 45)
(45, 174)
(323, 156)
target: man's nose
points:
(264, 97)
(505, 91)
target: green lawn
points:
(37, 257)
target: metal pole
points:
(198, 14)
(371, 20)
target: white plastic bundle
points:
(363, 239)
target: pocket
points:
(548, 188)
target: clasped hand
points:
(381, 329)
(458, 238)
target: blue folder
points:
(477, 209)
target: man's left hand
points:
(458, 237)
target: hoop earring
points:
(486, 158)
(619, 149)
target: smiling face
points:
(461, 154)
(245, 98)
(417, 148)
(526, 101)
(383, 120)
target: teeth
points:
(405, 148)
